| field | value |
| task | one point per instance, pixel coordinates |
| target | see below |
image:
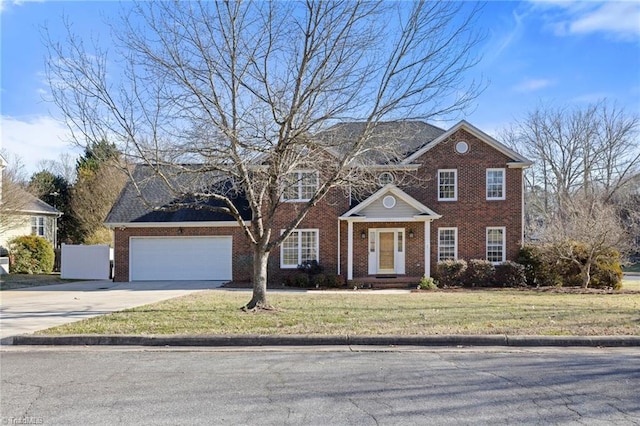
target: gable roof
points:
(406, 137)
(394, 190)
(35, 205)
(32, 205)
(518, 160)
(131, 208)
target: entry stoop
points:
(385, 281)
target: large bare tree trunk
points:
(259, 278)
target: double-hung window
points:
(447, 185)
(495, 184)
(300, 185)
(37, 226)
(447, 244)
(495, 244)
(299, 247)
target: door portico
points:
(386, 222)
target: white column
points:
(427, 250)
(349, 250)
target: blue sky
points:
(551, 52)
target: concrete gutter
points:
(300, 340)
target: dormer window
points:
(300, 185)
(385, 178)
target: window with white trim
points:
(495, 184)
(447, 185)
(37, 226)
(299, 247)
(495, 244)
(447, 244)
(300, 185)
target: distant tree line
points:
(85, 200)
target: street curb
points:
(301, 340)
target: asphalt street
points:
(320, 386)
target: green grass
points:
(363, 313)
(631, 285)
(15, 281)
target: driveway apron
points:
(37, 308)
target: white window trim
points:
(504, 184)
(504, 243)
(35, 225)
(455, 242)
(299, 231)
(455, 184)
(299, 189)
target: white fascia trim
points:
(417, 218)
(353, 219)
(519, 165)
(391, 167)
(114, 225)
(463, 124)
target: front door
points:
(386, 251)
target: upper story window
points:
(299, 247)
(300, 185)
(462, 147)
(447, 185)
(495, 184)
(495, 244)
(385, 178)
(447, 244)
(37, 226)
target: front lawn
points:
(512, 312)
(15, 281)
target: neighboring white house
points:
(32, 217)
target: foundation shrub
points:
(510, 274)
(449, 273)
(479, 273)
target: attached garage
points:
(180, 258)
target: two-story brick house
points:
(463, 199)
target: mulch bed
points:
(559, 290)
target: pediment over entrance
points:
(391, 203)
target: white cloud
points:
(4, 4)
(619, 20)
(532, 85)
(34, 139)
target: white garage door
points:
(180, 258)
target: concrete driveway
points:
(31, 309)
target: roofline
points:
(57, 213)
(209, 224)
(463, 124)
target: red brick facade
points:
(471, 214)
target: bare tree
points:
(12, 195)
(592, 149)
(242, 88)
(587, 231)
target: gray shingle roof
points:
(131, 207)
(406, 137)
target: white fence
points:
(85, 262)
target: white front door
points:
(386, 251)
